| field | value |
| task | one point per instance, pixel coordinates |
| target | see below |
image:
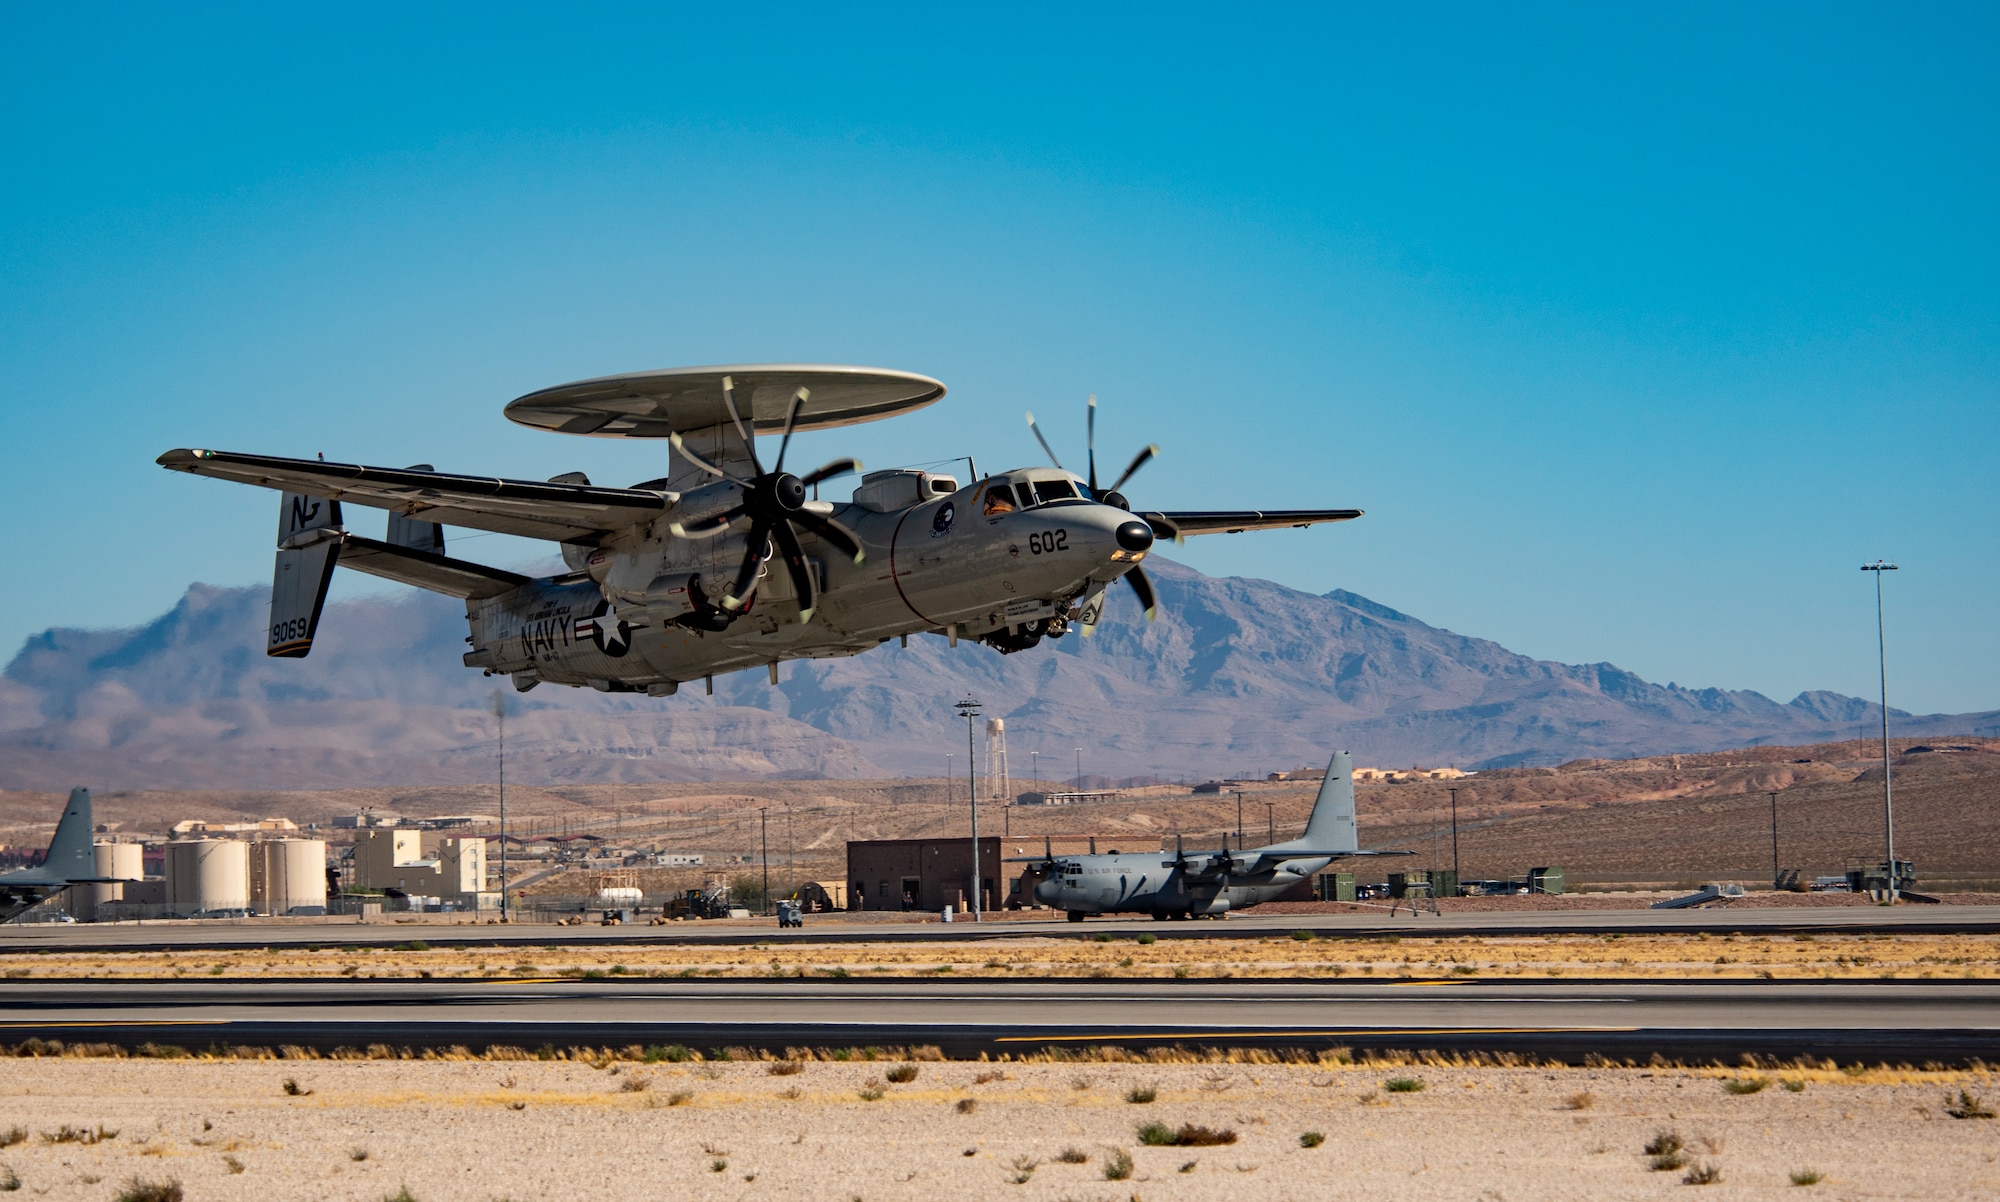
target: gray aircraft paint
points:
(1212, 882)
(70, 860)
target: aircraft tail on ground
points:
(1331, 826)
(69, 857)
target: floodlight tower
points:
(1882, 667)
(968, 709)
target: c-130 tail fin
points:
(309, 535)
(1332, 827)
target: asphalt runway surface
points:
(342, 931)
(1943, 1022)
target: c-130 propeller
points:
(1136, 576)
(775, 502)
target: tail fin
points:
(70, 857)
(309, 534)
(1331, 826)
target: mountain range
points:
(1237, 676)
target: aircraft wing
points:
(1180, 523)
(530, 508)
(438, 573)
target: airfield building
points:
(395, 860)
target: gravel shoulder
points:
(617, 1129)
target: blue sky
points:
(1635, 330)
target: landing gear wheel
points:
(1075, 915)
(1161, 916)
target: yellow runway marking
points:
(1345, 1033)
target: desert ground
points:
(605, 1125)
(1654, 823)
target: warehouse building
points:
(394, 860)
(930, 874)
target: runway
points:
(1951, 1022)
(162, 935)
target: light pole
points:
(1079, 769)
(764, 838)
(500, 712)
(1777, 879)
(1882, 666)
(1271, 822)
(1239, 817)
(1035, 758)
(1454, 833)
(968, 709)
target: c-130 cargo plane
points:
(724, 563)
(1187, 884)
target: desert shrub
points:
(357, 1155)
(967, 1105)
(1156, 1135)
(137, 1190)
(294, 1090)
(414, 945)
(1795, 1085)
(9, 1179)
(86, 1136)
(1304, 936)
(1664, 1143)
(679, 1097)
(1580, 1101)
(1968, 1106)
(1404, 1085)
(1192, 1135)
(1102, 937)
(784, 1068)
(12, 1136)
(1024, 1169)
(1117, 1166)
(1703, 1174)
(635, 1084)
(902, 1074)
(871, 1092)
(1807, 1176)
(1746, 1085)
(1072, 1156)
(1141, 1094)
(1147, 938)
(1311, 1139)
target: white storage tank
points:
(125, 861)
(619, 897)
(288, 875)
(208, 874)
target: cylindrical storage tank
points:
(619, 896)
(125, 861)
(208, 874)
(287, 874)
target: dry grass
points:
(1823, 957)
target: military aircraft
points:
(725, 563)
(69, 861)
(1207, 883)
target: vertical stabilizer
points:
(69, 857)
(1331, 826)
(309, 534)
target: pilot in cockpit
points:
(999, 500)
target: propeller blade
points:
(795, 561)
(680, 446)
(753, 558)
(1144, 587)
(798, 403)
(1090, 444)
(838, 467)
(1048, 849)
(1138, 461)
(742, 431)
(708, 525)
(1037, 431)
(832, 532)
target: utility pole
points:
(1270, 822)
(791, 857)
(1239, 817)
(1079, 769)
(1882, 666)
(1777, 880)
(1454, 832)
(500, 712)
(969, 710)
(764, 837)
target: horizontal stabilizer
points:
(439, 574)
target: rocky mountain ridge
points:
(1238, 675)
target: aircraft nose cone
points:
(1135, 536)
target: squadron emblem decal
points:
(941, 524)
(605, 629)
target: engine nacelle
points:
(670, 597)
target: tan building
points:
(453, 871)
(930, 874)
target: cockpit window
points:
(999, 500)
(1027, 495)
(1054, 490)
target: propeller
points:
(1113, 497)
(775, 503)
